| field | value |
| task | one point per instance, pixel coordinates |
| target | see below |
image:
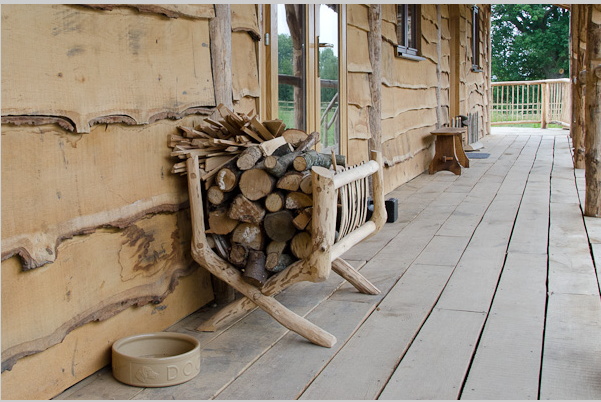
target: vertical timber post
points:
(220, 31)
(374, 39)
(544, 107)
(592, 205)
(576, 65)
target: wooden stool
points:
(449, 150)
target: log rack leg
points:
(239, 308)
(346, 270)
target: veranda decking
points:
(489, 291)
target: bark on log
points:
(249, 235)
(255, 272)
(301, 245)
(227, 178)
(245, 210)
(220, 223)
(577, 13)
(298, 200)
(592, 141)
(283, 150)
(256, 184)
(273, 251)
(283, 262)
(217, 197)
(274, 201)
(290, 181)
(278, 226)
(238, 255)
(249, 157)
(306, 185)
(278, 166)
(307, 160)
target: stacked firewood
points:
(259, 195)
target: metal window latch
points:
(267, 39)
(326, 45)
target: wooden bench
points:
(326, 247)
(449, 154)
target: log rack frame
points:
(325, 254)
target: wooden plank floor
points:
(489, 291)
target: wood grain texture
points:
(81, 182)
(95, 277)
(244, 18)
(358, 54)
(87, 349)
(201, 11)
(53, 70)
(245, 71)
(357, 16)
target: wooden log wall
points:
(95, 228)
(415, 94)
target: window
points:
(408, 30)
(475, 40)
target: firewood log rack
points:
(325, 256)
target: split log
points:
(227, 178)
(238, 255)
(249, 235)
(303, 219)
(307, 160)
(278, 166)
(283, 150)
(283, 262)
(245, 210)
(275, 127)
(256, 184)
(249, 157)
(306, 185)
(301, 245)
(216, 196)
(278, 225)
(220, 223)
(274, 201)
(255, 272)
(294, 136)
(290, 181)
(268, 147)
(298, 200)
(274, 251)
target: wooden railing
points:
(521, 102)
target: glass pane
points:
(409, 30)
(291, 65)
(401, 24)
(328, 72)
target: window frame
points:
(476, 40)
(405, 49)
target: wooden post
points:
(544, 105)
(439, 118)
(374, 39)
(324, 225)
(592, 158)
(220, 31)
(577, 129)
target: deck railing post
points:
(544, 105)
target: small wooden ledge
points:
(449, 153)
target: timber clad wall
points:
(95, 228)
(416, 95)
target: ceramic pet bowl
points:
(157, 359)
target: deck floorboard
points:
(490, 290)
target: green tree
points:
(286, 92)
(529, 42)
(328, 70)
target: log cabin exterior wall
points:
(95, 228)
(409, 88)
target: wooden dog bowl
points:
(156, 359)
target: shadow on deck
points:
(489, 291)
